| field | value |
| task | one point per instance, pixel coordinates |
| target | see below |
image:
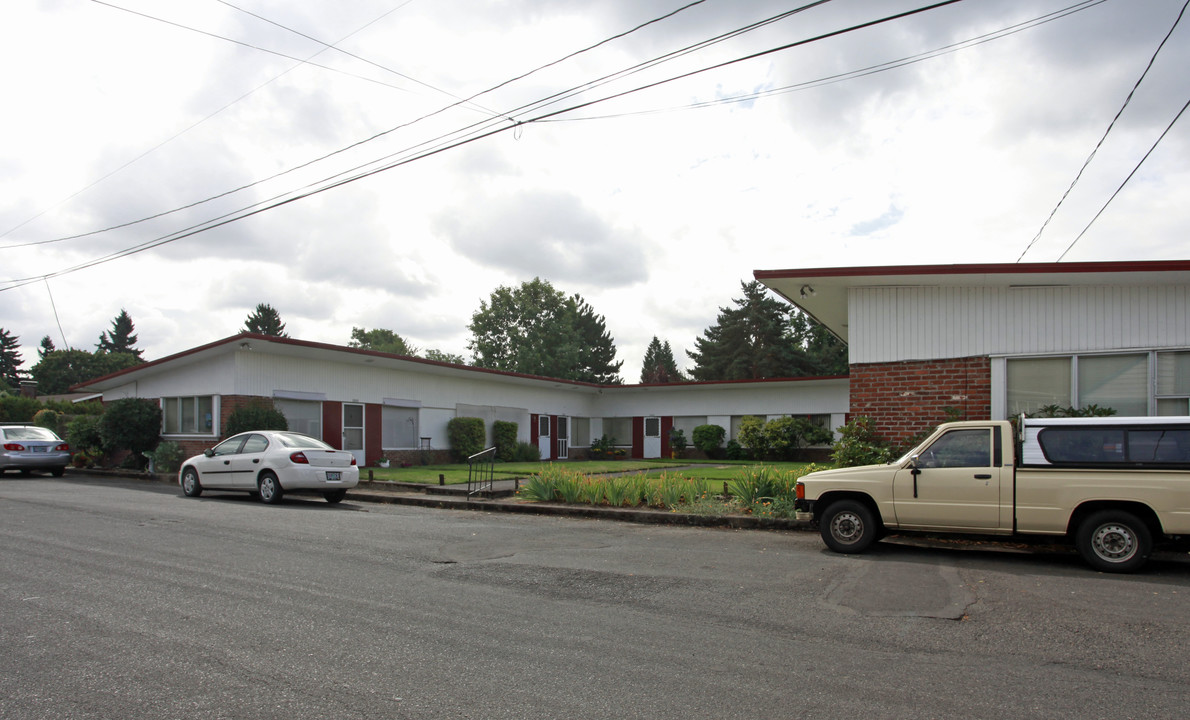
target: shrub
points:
(602, 449)
(860, 445)
(677, 441)
(167, 457)
(48, 419)
(131, 424)
(526, 452)
(708, 438)
(256, 415)
(17, 408)
(466, 436)
(785, 435)
(752, 436)
(504, 438)
(84, 434)
(735, 451)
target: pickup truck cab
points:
(1112, 485)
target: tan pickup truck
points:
(1112, 485)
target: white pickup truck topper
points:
(1113, 485)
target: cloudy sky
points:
(388, 163)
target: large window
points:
(1132, 384)
(194, 415)
(398, 427)
(303, 416)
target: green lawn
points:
(457, 473)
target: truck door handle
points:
(983, 477)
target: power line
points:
(1098, 145)
(361, 173)
(366, 140)
(1121, 187)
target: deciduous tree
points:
(537, 330)
(380, 340)
(58, 370)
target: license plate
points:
(38, 448)
(333, 476)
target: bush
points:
(785, 435)
(167, 457)
(860, 445)
(677, 441)
(526, 452)
(17, 408)
(131, 424)
(504, 438)
(48, 419)
(602, 449)
(256, 415)
(752, 436)
(466, 436)
(708, 438)
(84, 434)
(735, 451)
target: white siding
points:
(889, 324)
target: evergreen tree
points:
(61, 369)
(381, 340)
(120, 339)
(265, 321)
(10, 360)
(659, 365)
(537, 330)
(763, 338)
(47, 346)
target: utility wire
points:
(1117, 192)
(328, 185)
(359, 143)
(1098, 145)
(168, 140)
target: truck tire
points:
(848, 526)
(1114, 541)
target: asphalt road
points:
(127, 600)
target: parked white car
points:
(270, 463)
(29, 447)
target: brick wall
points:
(904, 398)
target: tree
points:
(132, 424)
(10, 360)
(659, 365)
(763, 338)
(381, 340)
(265, 321)
(445, 357)
(58, 370)
(537, 330)
(47, 346)
(120, 339)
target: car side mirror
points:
(915, 462)
(209, 452)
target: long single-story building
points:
(925, 342)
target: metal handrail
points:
(480, 478)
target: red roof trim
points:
(981, 269)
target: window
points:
(543, 426)
(398, 427)
(959, 448)
(1139, 445)
(303, 416)
(255, 444)
(188, 415)
(618, 430)
(1034, 383)
(1120, 382)
(1173, 383)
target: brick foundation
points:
(905, 398)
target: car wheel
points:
(1114, 541)
(848, 526)
(334, 496)
(191, 487)
(58, 471)
(269, 488)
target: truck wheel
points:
(1114, 541)
(848, 526)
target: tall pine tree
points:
(10, 360)
(264, 320)
(659, 365)
(120, 339)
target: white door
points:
(353, 431)
(563, 438)
(652, 437)
(543, 436)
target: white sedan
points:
(270, 463)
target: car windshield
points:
(293, 440)
(29, 433)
